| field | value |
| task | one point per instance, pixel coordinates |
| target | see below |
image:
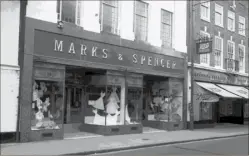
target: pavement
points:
(102, 144)
(225, 146)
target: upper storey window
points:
(141, 20)
(110, 16)
(69, 11)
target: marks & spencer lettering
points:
(80, 51)
(95, 51)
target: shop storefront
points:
(219, 98)
(73, 79)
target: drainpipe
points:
(21, 45)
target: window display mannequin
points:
(113, 101)
(98, 105)
(41, 106)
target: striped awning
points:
(217, 90)
(203, 95)
(237, 90)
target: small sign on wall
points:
(204, 46)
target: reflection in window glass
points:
(47, 105)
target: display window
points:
(163, 100)
(206, 111)
(47, 105)
(104, 106)
(246, 110)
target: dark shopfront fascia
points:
(50, 52)
(224, 94)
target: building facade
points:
(105, 67)
(10, 70)
(225, 69)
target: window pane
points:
(218, 18)
(110, 16)
(141, 20)
(166, 28)
(68, 11)
(141, 8)
(47, 105)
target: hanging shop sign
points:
(217, 77)
(76, 49)
(204, 46)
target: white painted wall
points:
(46, 10)
(10, 11)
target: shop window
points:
(246, 110)
(110, 16)
(104, 106)
(69, 11)
(163, 101)
(206, 111)
(141, 20)
(166, 28)
(47, 105)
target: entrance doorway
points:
(74, 100)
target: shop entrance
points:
(230, 111)
(74, 100)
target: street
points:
(228, 146)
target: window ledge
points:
(221, 26)
(230, 30)
(109, 33)
(204, 64)
(205, 19)
(244, 35)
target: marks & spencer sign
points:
(76, 49)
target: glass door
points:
(74, 104)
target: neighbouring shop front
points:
(219, 98)
(78, 81)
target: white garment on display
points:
(98, 120)
(112, 119)
(112, 105)
(127, 117)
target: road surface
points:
(228, 146)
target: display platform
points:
(163, 125)
(112, 130)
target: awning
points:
(204, 95)
(240, 91)
(217, 90)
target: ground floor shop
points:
(219, 98)
(84, 82)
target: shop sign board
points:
(77, 49)
(217, 77)
(204, 47)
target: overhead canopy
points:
(217, 90)
(204, 95)
(240, 91)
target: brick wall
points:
(199, 24)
